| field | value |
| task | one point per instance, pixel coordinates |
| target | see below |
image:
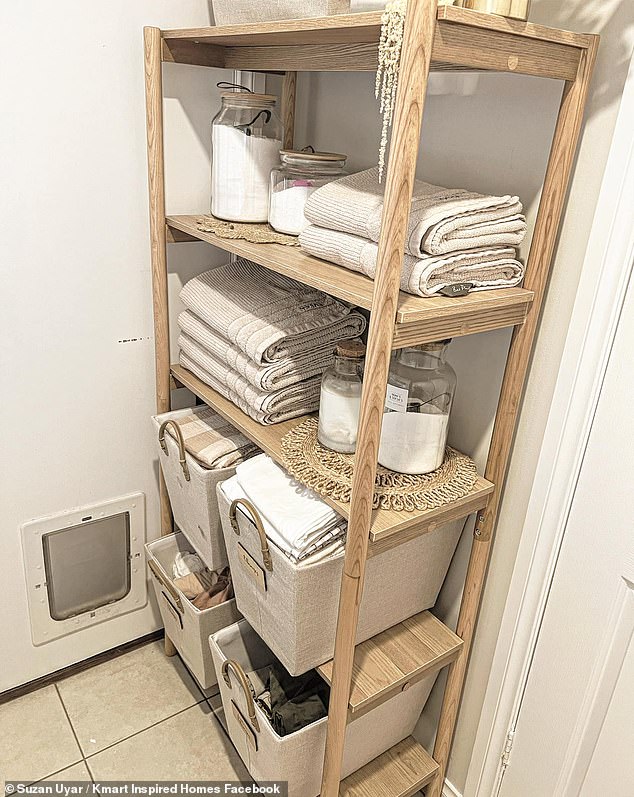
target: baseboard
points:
(449, 790)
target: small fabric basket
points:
(188, 627)
(298, 757)
(293, 607)
(245, 12)
(192, 493)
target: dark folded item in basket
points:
(218, 593)
(292, 703)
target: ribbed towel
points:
(265, 408)
(441, 220)
(423, 276)
(267, 377)
(211, 440)
(267, 316)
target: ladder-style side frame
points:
(415, 63)
(399, 184)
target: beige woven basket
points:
(246, 12)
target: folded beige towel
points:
(267, 316)
(212, 441)
(265, 408)
(441, 220)
(423, 276)
(269, 376)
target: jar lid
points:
(353, 349)
(433, 346)
(248, 99)
(324, 157)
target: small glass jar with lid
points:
(246, 138)
(420, 392)
(292, 182)
(340, 400)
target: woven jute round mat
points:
(254, 233)
(330, 473)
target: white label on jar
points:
(396, 398)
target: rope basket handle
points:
(257, 522)
(232, 664)
(180, 441)
(167, 584)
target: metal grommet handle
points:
(181, 444)
(257, 522)
(239, 673)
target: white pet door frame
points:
(84, 566)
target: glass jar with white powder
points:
(420, 392)
(294, 181)
(340, 400)
(246, 138)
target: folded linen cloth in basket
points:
(267, 316)
(265, 408)
(295, 518)
(441, 220)
(212, 441)
(422, 276)
(267, 377)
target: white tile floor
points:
(140, 716)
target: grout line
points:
(143, 730)
(70, 722)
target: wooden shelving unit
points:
(443, 38)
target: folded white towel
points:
(267, 316)
(266, 377)
(297, 516)
(282, 504)
(423, 276)
(441, 220)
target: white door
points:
(574, 735)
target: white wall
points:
(74, 254)
(494, 138)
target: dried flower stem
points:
(390, 43)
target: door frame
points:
(601, 293)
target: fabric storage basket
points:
(192, 492)
(245, 12)
(298, 757)
(187, 627)
(294, 607)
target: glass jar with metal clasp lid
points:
(246, 138)
(292, 183)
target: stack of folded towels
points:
(295, 518)
(261, 340)
(454, 236)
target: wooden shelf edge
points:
(400, 772)
(418, 319)
(388, 528)
(423, 641)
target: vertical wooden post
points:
(156, 184)
(289, 90)
(551, 207)
(415, 61)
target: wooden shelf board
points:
(400, 772)
(418, 319)
(388, 528)
(464, 40)
(392, 661)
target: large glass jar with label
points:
(420, 392)
(246, 139)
